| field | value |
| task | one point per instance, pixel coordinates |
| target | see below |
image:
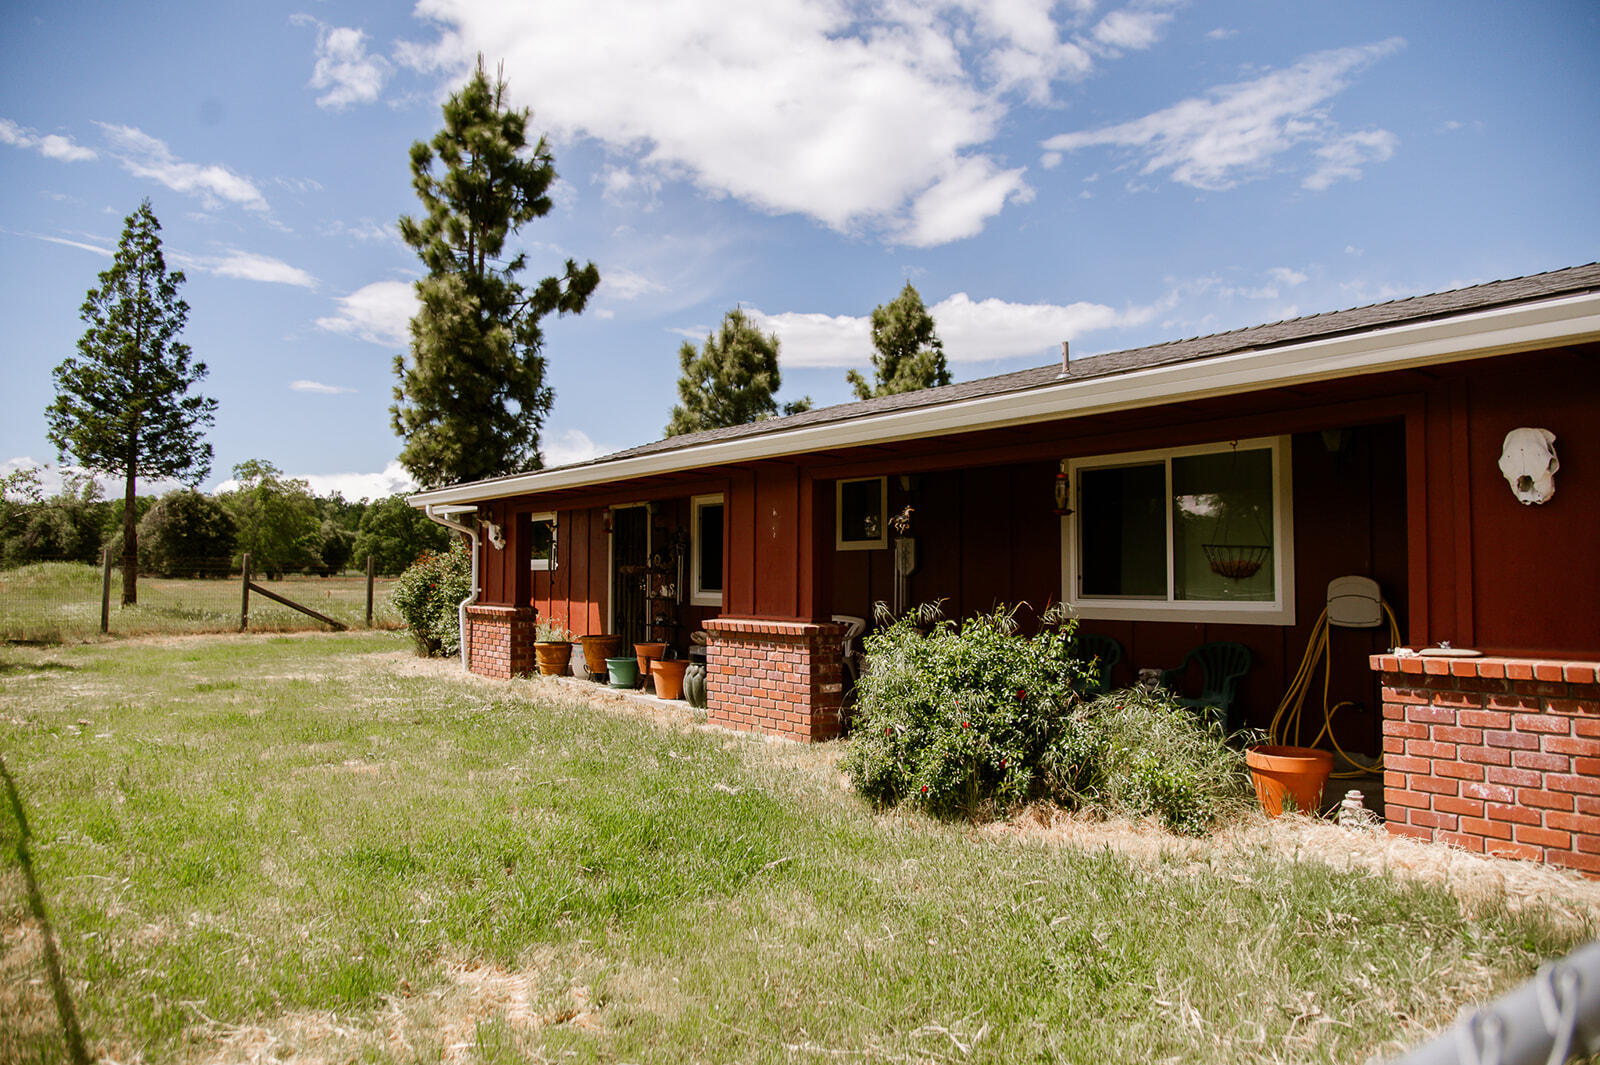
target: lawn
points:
(59, 602)
(317, 847)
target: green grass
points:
(59, 602)
(303, 843)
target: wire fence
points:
(61, 601)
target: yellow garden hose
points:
(1285, 728)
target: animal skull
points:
(497, 536)
(1529, 463)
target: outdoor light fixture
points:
(1063, 505)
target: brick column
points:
(500, 640)
(779, 677)
(1497, 755)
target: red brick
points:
(1513, 850)
(1549, 671)
(1403, 764)
(1517, 815)
(1522, 778)
(1485, 755)
(1487, 829)
(1394, 745)
(1489, 792)
(1544, 800)
(1541, 723)
(1451, 805)
(1491, 667)
(1516, 740)
(1429, 749)
(1458, 770)
(1543, 837)
(1586, 728)
(1462, 840)
(1582, 745)
(1567, 822)
(1401, 797)
(1584, 863)
(1429, 819)
(1587, 767)
(1519, 670)
(1457, 701)
(1407, 830)
(1550, 763)
(1576, 785)
(1456, 734)
(1580, 673)
(1417, 782)
(1432, 715)
(1514, 702)
(1405, 695)
(1587, 844)
(1589, 804)
(1411, 730)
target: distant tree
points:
(277, 519)
(336, 546)
(473, 397)
(730, 380)
(123, 404)
(187, 534)
(395, 534)
(63, 528)
(909, 354)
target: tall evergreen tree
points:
(123, 404)
(909, 354)
(473, 396)
(730, 380)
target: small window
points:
(542, 541)
(705, 539)
(1199, 532)
(862, 514)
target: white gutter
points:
(1481, 334)
(435, 511)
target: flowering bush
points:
(959, 721)
(427, 596)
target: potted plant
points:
(1293, 773)
(552, 645)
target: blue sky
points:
(1112, 174)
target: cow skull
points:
(1529, 463)
(497, 535)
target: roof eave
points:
(1471, 335)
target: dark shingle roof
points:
(1569, 281)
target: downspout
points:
(461, 608)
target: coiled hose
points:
(1285, 728)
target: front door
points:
(630, 558)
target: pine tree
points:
(123, 404)
(909, 353)
(730, 381)
(472, 398)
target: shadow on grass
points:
(70, 1030)
(35, 667)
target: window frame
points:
(1279, 611)
(882, 541)
(543, 565)
(699, 595)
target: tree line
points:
(185, 533)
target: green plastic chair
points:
(1106, 652)
(1222, 664)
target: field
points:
(317, 847)
(59, 602)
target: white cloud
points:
(366, 231)
(1236, 132)
(343, 66)
(145, 156)
(1221, 33)
(319, 389)
(623, 284)
(1343, 158)
(971, 330)
(394, 479)
(50, 145)
(1286, 277)
(873, 121)
(571, 445)
(379, 313)
(52, 479)
(1131, 29)
(248, 266)
(96, 248)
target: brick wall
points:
(500, 640)
(778, 677)
(1497, 755)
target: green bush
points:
(963, 721)
(975, 721)
(428, 594)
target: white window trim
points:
(883, 516)
(698, 596)
(1101, 608)
(543, 565)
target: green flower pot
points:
(624, 671)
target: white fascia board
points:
(1473, 335)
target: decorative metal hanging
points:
(1235, 561)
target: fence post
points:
(105, 590)
(244, 591)
(371, 569)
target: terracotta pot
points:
(554, 658)
(647, 653)
(668, 674)
(1296, 772)
(624, 671)
(598, 648)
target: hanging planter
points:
(1236, 561)
(1297, 774)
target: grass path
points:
(318, 848)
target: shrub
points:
(186, 534)
(428, 594)
(962, 721)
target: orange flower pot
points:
(553, 658)
(1296, 773)
(598, 648)
(668, 674)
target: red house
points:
(1446, 447)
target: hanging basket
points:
(1236, 561)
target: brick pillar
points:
(500, 640)
(779, 677)
(1497, 755)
